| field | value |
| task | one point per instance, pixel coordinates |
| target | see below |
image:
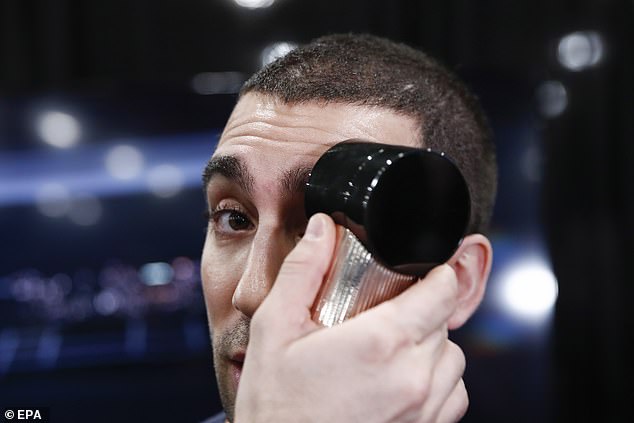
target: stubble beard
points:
(224, 344)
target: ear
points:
(472, 264)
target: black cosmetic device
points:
(399, 211)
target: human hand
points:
(393, 362)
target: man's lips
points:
(237, 358)
(235, 362)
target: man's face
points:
(255, 197)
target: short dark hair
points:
(373, 71)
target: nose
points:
(267, 253)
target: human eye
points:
(229, 219)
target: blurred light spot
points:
(183, 268)
(528, 290)
(165, 180)
(24, 289)
(275, 51)
(53, 294)
(552, 98)
(154, 274)
(531, 164)
(53, 200)
(106, 303)
(58, 129)
(580, 50)
(85, 211)
(254, 4)
(124, 162)
(217, 82)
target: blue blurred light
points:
(165, 180)
(106, 302)
(58, 129)
(254, 4)
(53, 199)
(48, 348)
(26, 175)
(552, 98)
(580, 50)
(527, 290)
(9, 342)
(136, 337)
(154, 274)
(124, 162)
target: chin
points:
(227, 386)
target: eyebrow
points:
(295, 180)
(230, 167)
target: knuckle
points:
(417, 390)
(385, 335)
(458, 356)
(422, 391)
(463, 404)
(376, 346)
(401, 332)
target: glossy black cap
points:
(410, 207)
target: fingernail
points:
(315, 227)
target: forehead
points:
(265, 130)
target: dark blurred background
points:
(110, 109)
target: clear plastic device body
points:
(355, 282)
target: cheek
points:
(220, 272)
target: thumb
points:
(286, 310)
